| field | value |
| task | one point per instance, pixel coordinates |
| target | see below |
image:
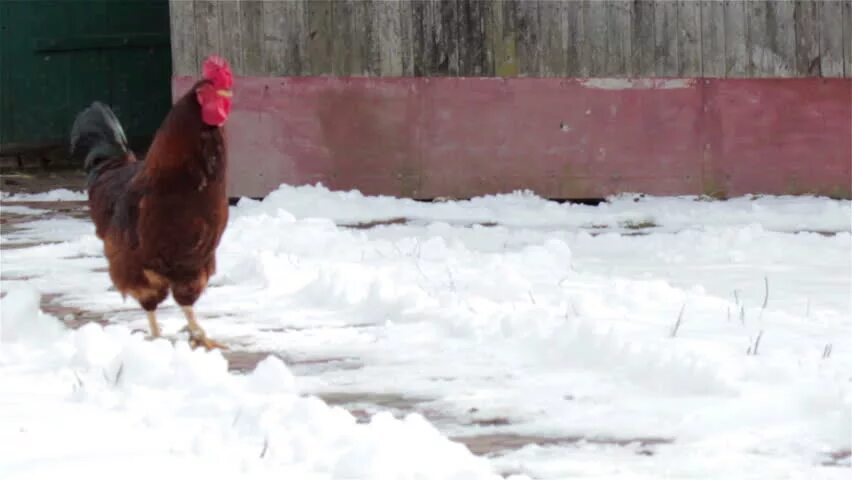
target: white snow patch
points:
(58, 195)
(524, 209)
(553, 318)
(163, 408)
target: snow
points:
(163, 408)
(58, 195)
(620, 337)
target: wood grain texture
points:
(689, 38)
(643, 44)
(284, 38)
(831, 38)
(573, 39)
(712, 38)
(529, 36)
(208, 31)
(183, 24)
(847, 38)
(232, 30)
(433, 61)
(594, 46)
(474, 56)
(555, 40)
(618, 21)
(388, 29)
(507, 38)
(349, 39)
(251, 37)
(448, 37)
(770, 38)
(781, 30)
(806, 15)
(736, 39)
(666, 39)
(320, 34)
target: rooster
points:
(161, 219)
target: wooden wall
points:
(507, 38)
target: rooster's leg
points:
(152, 323)
(197, 336)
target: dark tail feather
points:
(97, 137)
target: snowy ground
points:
(641, 338)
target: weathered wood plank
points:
(573, 36)
(847, 38)
(756, 49)
(473, 46)
(183, 24)
(449, 36)
(611, 38)
(389, 35)
(594, 54)
(831, 38)
(274, 18)
(807, 27)
(736, 40)
(285, 38)
(406, 37)
(421, 41)
(208, 30)
(712, 38)
(348, 39)
(435, 39)
(320, 34)
(434, 60)
(688, 38)
(251, 25)
(527, 25)
(552, 17)
(781, 25)
(666, 39)
(230, 24)
(642, 39)
(502, 35)
(367, 18)
(770, 38)
(618, 22)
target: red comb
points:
(216, 70)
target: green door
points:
(57, 56)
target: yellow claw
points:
(204, 341)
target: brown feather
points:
(162, 219)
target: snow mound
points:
(189, 403)
(525, 209)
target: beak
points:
(224, 93)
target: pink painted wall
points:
(562, 138)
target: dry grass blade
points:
(118, 374)
(679, 320)
(265, 447)
(752, 350)
(766, 292)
